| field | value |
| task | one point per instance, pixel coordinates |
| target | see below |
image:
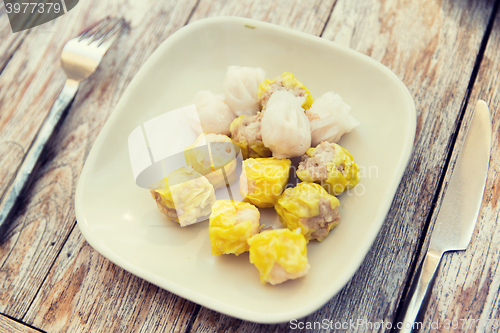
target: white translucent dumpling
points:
(330, 118)
(215, 116)
(240, 89)
(285, 127)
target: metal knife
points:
(457, 218)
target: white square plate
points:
(121, 221)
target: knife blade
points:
(460, 208)
(458, 214)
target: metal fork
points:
(80, 58)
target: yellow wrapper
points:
(232, 223)
(263, 180)
(289, 82)
(337, 181)
(253, 148)
(211, 153)
(303, 201)
(188, 193)
(281, 247)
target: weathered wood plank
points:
(36, 237)
(11, 152)
(11, 326)
(9, 42)
(70, 298)
(432, 46)
(30, 83)
(308, 16)
(89, 293)
(467, 284)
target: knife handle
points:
(30, 162)
(420, 288)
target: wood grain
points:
(69, 298)
(308, 16)
(36, 237)
(424, 43)
(467, 284)
(31, 82)
(53, 280)
(12, 153)
(118, 302)
(10, 41)
(12, 326)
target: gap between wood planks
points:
(328, 19)
(463, 108)
(10, 57)
(48, 271)
(4, 65)
(197, 308)
(22, 323)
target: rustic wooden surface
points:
(467, 285)
(12, 326)
(51, 279)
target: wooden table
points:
(445, 51)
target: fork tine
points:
(90, 33)
(104, 30)
(86, 31)
(111, 34)
(98, 33)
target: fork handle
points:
(27, 168)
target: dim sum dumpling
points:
(231, 224)
(262, 180)
(209, 154)
(184, 196)
(331, 166)
(286, 82)
(330, 118)
(285, 128)
(240, 89)
(310, 208)
(279, 255)
(215, 115)
(246, 133)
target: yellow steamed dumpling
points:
(279, 255)
(210, 155)
(232, 223)
(184, 196)
(330, 165)
(246, 133)
(262, 180)
(288, 82)
(309, 207)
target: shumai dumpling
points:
(214, 115)
(279, 255)
(330, 165)
(240, 89)
(232, 223)
(184, 196)
(285, 128)
(285, 82)
(330, 118)
(210, 154)
(309, 207)
(246, 133)
(262, 180)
